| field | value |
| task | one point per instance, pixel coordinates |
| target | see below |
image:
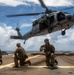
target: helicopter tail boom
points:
(15, 37)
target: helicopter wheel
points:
(63, 32)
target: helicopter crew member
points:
(49, 51)
(21, 56)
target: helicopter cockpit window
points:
(35, 23)
(60, 16)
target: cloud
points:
(5, 42)
(33, 44)
(60, 42)
(27, 2)
(12, 3)
(65, 42)
(10, 44)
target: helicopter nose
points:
(72, 17)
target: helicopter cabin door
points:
(43, 25)
(60, 16)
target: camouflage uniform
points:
(21, 56)
(1, 57)
(49, 51)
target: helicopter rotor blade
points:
(29, 14)
(33, 14)
(43, 5)
(68, 8)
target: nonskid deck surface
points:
(38, 67)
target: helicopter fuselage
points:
(53, 22)
(48, 24)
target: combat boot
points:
(29, 62)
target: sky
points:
(8, 25)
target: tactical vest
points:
(49, 49)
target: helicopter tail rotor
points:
(19, 36)
(18, 30)
(17, 27)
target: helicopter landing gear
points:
(63, 32)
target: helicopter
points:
(51, 21)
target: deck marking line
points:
(67, 67)
(10, 65)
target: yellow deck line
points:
(10, 65)
(67, 67)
